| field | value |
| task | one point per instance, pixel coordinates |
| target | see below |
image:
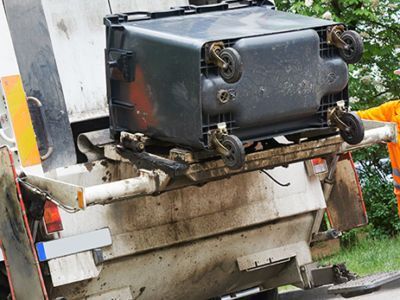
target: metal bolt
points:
(223, 96)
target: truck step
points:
(364, 285)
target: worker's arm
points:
(384, 112)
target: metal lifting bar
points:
(149, 182)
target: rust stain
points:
(89, 166)
(345, 203)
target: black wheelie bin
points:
(211, 78)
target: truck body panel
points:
(221, 233)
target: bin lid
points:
(227, 24)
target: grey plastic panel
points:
(284, 79)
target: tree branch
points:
(380, 94)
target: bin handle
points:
(49, 142)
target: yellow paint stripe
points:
(21, 120)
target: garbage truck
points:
(97, 204)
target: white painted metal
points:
(8, 61)
(78, 196)
(73, 244)
(65, 183)
(73, 268)
(8, 66)
(65, 193)
(6, 129)
(146, 183)
(78, 38)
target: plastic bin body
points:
(163, 86)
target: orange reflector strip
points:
(81, 200)
(52, 218)
(21, 120)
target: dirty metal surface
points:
(370, 282)
(73, 268)
(265, 258)
(144, 160)
(193, 213)
(122, 293)
(194, 174)
(16, 240)
(93, 173)
(203, 268)
(267, 159)
(376, 132)
(345, 206)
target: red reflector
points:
(52, 218)
(317, 161)
(319, 165)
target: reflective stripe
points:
(396, 172)
(396, 185)
(73, 244)
(21, 120)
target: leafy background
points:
(372, 82)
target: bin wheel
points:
(354, 133)
(233, 70)
(235, 159)
(355, 47)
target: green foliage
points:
(349, 239)
(374, 172)
(372, 82)
(369, 256)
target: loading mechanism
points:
(127, 169)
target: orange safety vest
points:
(388, 112)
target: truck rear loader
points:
(89, 213)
